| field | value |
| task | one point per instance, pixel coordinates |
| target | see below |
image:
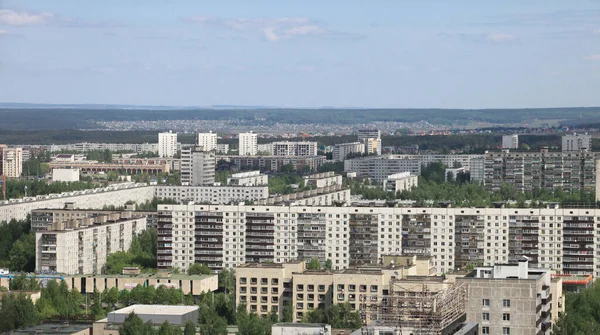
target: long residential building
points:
(342, 150)
(275, 163)
(294, 148)
(114, 195)
(85, 147)
(212, 194)
(562, 239)
(82, 246)
(131, 168)
(570, 171)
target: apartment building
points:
(561, 239)
(167, 144)
(510, 299)
(212, 194)
(324, 179)
(275, 163)
(250, 178)
(208, 141)
(247, 144)
(577, 142)
(378, 168)
(571, 171)
(86, 146)
(222, 148)
(82, 246)
(510, 141)
(342, 150)
(324, 196)
(287, 148)
(398, 182)
(371, 140)
(266, 288)
(197, 167)
(11, 162)
(129, 168)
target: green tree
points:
(22, 254)
(288, 312)
(22, 283)
(167, 329)
(133, 325)
(199, 269)
(314, 264)
(227, 280)
(16, 311)
(328, 264)
(211, 323)
(190, 328)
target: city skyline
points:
(390, 54)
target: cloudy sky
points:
(393, 53)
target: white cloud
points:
(501, 38)
(593, 57)
(12, 18)
(275, 29)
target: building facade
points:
(212, 194)
(371, 140)
(400, 182)
(12, 162)
(208, 141)
(247, 144)
(275, 163)
(577, 142)
(510, 141)
(294, 148)
(197, 167)
(167, 144)
(342, 150)
(82, 246)
(563, 240)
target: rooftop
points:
(52, 328)
(300, 325)
(153, 310)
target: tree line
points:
(16, 188)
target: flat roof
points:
(300, 325)
(53, 328)
(156, 309)
(146, 276)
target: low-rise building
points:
(510, 299)
(156, 314)
(323, 179)
(65, 175)
(82, 246)
(301, 329)
(250, 178)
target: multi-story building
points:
(510, 141)
(510, 299)
(197, 167)
(213, 194)
(342, 150)
(167, 144)
(11, 162)
(398, 182)
(222, 148)
(208, 141)
(85, 147)
(562, 239)
(378, 168)
(570, 171)
(129, 168)
(274, 163)
(267, 287)
(247, 144)
(371, 140)
(294, 148)
(82, 246)
(577, 142)
(323, 179)
(250, 178)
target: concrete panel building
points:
(577, 142)
(294, 148)
(197, 167)
(275, 163)
(11, 162)
(167, 144)
(208, 141)
(65, 175)
(510, 141)
(212, 194)
(398, 182)
(342, 150)
(247, 144)
(250, 178)
(371, 140)
(82, 246)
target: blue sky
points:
(404, 54)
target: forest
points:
(581, 315)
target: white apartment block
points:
(510, 141)
(85, 147)
(341, 150)
(197, 167)
(167, 144)
(114, 195)
(294, 148)
(222, 148)
(565, 240)
(265, 149)
(324, 179)
(208, 141)
(12, 162)
(577, 142)
(371, 140)
(250, 178)
(398, 182)
(247, 144)
(82, 246)
(212, 194)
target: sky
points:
(310, 53)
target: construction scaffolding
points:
(420, 307)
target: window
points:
(505, 331)
(264, 281)
(506, 303)
(485, 316)
(485, 330)
(506, 316)
(486, 302)
(321, 288)
(243, 280)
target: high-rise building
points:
(12, 162)
(208, 141)
(372, 141)
(167, 144)
(82, 246)
(576, 142)
(248, 145)
(510, 141)
(342, 150)
(197, 167)
(294, 148)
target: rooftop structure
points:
(157, 314)
(301, 329)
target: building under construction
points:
(416, 305)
